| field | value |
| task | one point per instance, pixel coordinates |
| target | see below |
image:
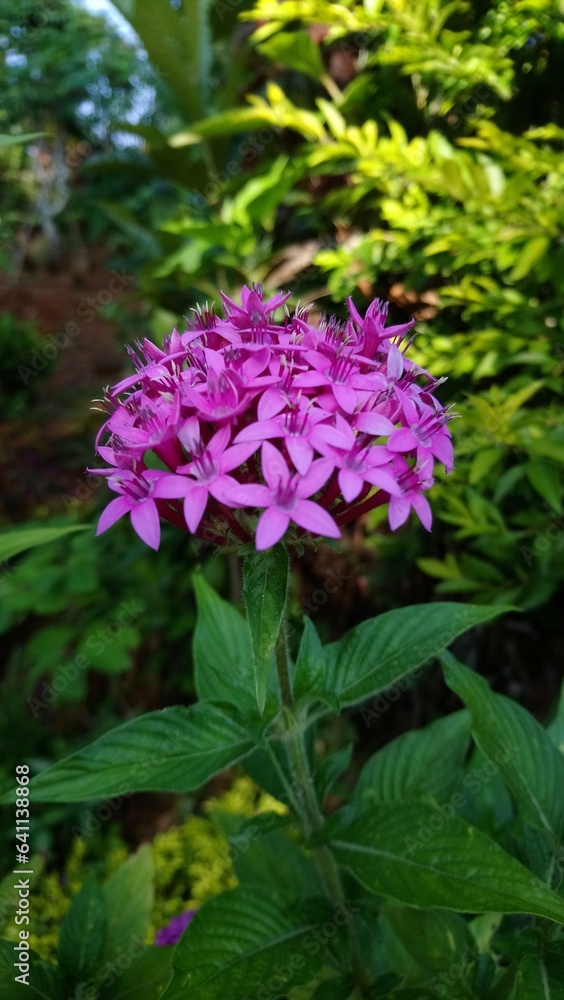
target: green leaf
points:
(239, 943)
(145, 979)
(174, 750)
(482, 463)
(425, 764)
(426, 856)
(221, 649)
(382, 650)
(310, 673)
(556, 728)
(177, 39)
(272, 860)
(545, 479)
(265, 587)
(295, 49)
(21, 539)
(129, 895)
(83, 934)
(531, 766)
(18, 140)
(435, 939)
(539, 977)
(533, 251)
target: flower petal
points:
(402, 440)
(172, 487)
(312, 517)
(237, 455)
(301, 453)
(250, 495)
(398, 512)
(384, 479)
(115, 509)
(316, 477)
(422, 508)
(194, 507)
(272, 526)
(374, 423)
(274, 468)
(346, 397)
(350, 484)
(145, 520)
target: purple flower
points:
(285, 499)
(139, 493)
(175, 928)
(272, 428)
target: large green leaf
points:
(129, 894)
(21, 539)
(83, 934)
(175, 750)
(265, 586)
(426, 856)
(273, 860)
(145, 979)
(422, 764)
(177, 39)
(380, 651)
(240, 943)
(435, 939)
(540, 976)
(221, 648)
(530, 764)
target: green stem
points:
(283, 670)
(309, 810)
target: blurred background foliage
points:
(410, 151)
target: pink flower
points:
(272, 428)
(285, 499)
(138, 495)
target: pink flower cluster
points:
(303, 426)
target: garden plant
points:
(441, 874)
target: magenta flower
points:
(207, 473)
(285, 499)
(139, 493)
(265, 429)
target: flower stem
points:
(283, 670)
(304, 795)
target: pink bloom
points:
(207, 473)
(411, 481)
(138, 496)
(271, 428)
(285, 499)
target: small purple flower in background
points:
(175, 928)
(271, 429)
